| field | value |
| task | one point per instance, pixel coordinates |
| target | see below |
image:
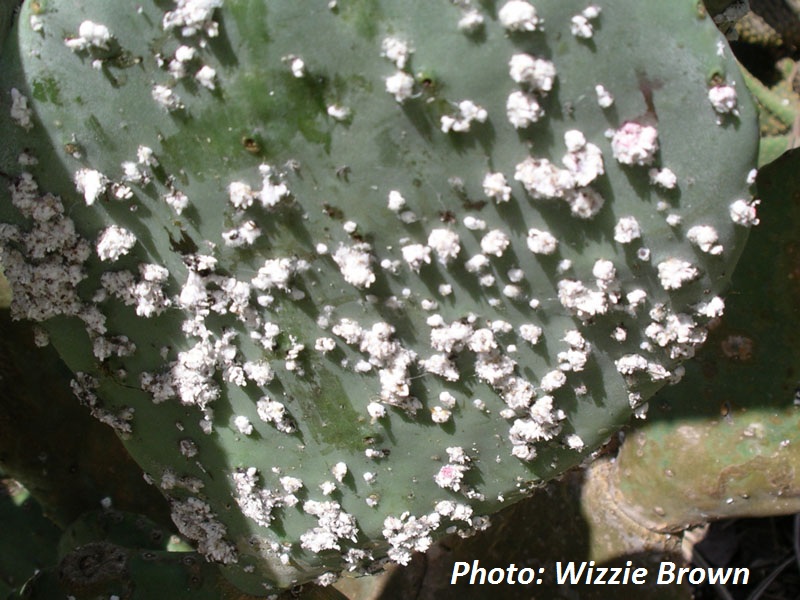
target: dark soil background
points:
(769, 547)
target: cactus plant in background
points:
(110, 554)
(345, 276)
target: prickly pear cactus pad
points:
(348, 275)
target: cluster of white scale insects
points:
(47, 260)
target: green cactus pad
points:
(68, 470)
(124, 529)
(108, 553)
(30, 538)
(102, 570)
(723, 439)
(348, 275)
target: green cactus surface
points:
(724, 437)
(121, 528)
(103, 554)
(69, 470)
(102, 570)
(22, 520)
(345, 276)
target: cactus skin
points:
(777, 112)
(124, 529)
(127, 573)
(346, 170)
(108, 552)
(34, 536)
(102, 554)
(68, 470)
(724, 436)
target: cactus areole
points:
(345, 276)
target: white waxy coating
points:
(20, 111)
(604, 98)
(495, 186)
(663, 177)
(705, 237)
(333, 524)
(114, 242)
(416, 255)
(338, 112)
(712, 309)
(471, 21)
(584, 302)
(324, 345)
(583, 160)
(192, 17)
(553, 380)
(185, 53)
(240, 194)
(92, 184)
(495, 242)
(440, 414)
(574, 442)
(744, 213)
(530, 333)
(474, 223)
(376, 410)
(518, 15)
(166, 97)
(445, 243)
(297, 65)
(354, 262)
(674, 220)
(195, 520)
(396, 201)
(538, 74)
(400, 85)
(723, 99)
(243, 425)
(541, 242)
(542, 179)
(584, 203)
(468, 112)
(36, 23)
(339, 470)
(631, 363)
(90, 35)
(523, 109)
(447, 399)
(635, 143)
(581, 28)
(673, 273)
(206, 77)
(245, 235)
(626, 230)
(396, 50)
